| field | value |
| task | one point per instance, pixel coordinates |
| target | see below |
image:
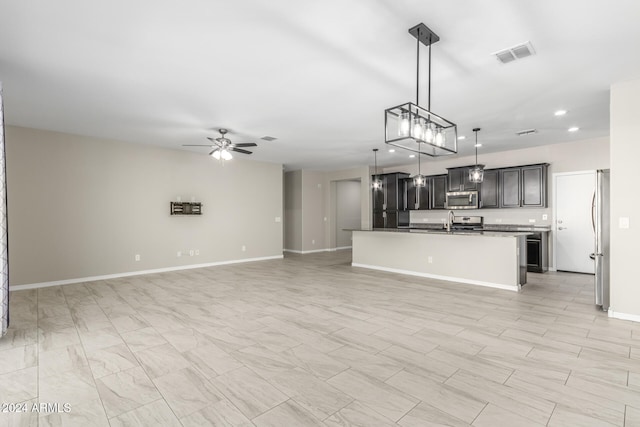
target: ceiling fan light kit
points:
(223, 146)
(408, 125)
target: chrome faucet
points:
(450, 218)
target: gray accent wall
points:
(347, 211)
(84, 207)
(293, 211)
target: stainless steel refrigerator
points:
(601, 227)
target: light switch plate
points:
(623, 222)
(545, 217)
(278, 219)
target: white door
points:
(573, 227)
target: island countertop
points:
(486, 233)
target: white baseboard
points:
(136, 273)
(623, 316)
(514, 288)
(317, 250)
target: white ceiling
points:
(315, 74)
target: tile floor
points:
(311, 341)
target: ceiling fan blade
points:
(239, 150)
(245, 144)
(216, 149)
(197, 145)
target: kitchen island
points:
(485, 258)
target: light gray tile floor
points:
(311, 341)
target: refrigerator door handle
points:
(593, 211)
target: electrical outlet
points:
(313, 242)
(197, 251)
(137, 257)
(545, 217)
(244, 248)
(179, 199)
(179, 254)
(430, 259)
(278, 219)
(191, 252)
(498, 219)
(532, 220)
(425, 219)
(623, 222)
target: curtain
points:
(4, 241)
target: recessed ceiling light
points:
(560, 113)
(391, 150)
(478, 145)
(461, 137)
(411, 156)
(573, 129)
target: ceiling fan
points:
(223, 146)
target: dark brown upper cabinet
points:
(524, 186)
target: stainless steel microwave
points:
(463, 200)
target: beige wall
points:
(82, 207)
(293, 211)
(625, 155)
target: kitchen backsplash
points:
(491, 216)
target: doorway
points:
(573, 229)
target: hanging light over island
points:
(408, 125)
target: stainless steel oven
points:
(463, 200)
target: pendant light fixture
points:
(408, 125)
(476, 174)
(419, 180)
(376, 184)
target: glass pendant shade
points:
(404, 126)
(419, 180)
(476, 174)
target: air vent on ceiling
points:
(516, 52)
(526, 132)
(268, 138)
